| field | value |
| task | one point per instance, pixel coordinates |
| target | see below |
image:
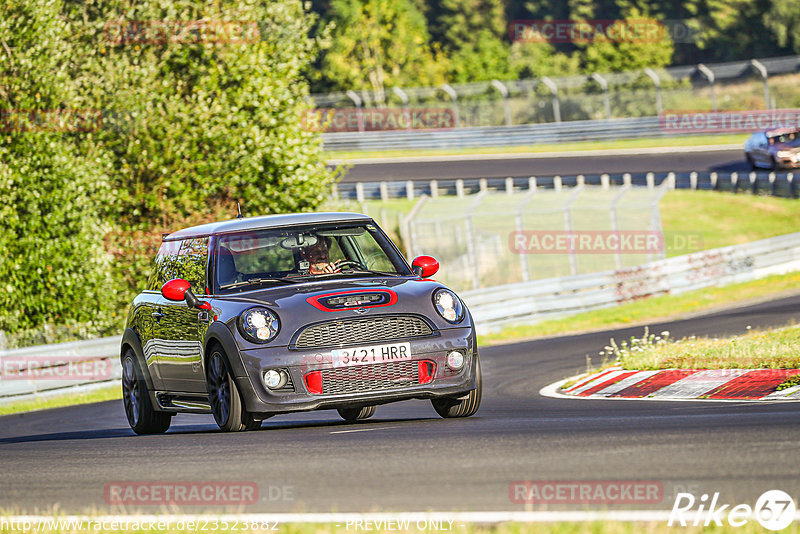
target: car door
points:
(180, 360)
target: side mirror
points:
(179, 289)
(425, 266)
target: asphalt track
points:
(408, 459)
(565, 165)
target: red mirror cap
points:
(175, 289)
(428, 264)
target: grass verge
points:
(654, 142)
(774, 348)
(68, 399)
(722, 219)
(651, 310)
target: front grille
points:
(362, 330)
(370, 377)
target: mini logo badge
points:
(361, 311)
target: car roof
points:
(781, 131)
(266, 221)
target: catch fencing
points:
(531, 302)
(765, 83)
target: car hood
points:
(298, 305)
(786, 148)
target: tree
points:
(377, 44)
(53, 197)
(634, 53)
(204, 106)
(783, 18)
(472, 33)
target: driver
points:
(318, 256)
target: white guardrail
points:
(81, 365)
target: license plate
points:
(392, 352)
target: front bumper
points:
(445, 383)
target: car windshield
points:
(282, 256)
(790, 139)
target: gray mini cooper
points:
(253, 317)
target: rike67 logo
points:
(774, 510)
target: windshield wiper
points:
(254, 281)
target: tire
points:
(351, 415)
(139, 411)
(223, 395)
(462, 406)
(751, 162)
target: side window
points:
(164, 265)
(192, 261)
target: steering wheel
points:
(350, 263)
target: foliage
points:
(471, 34)
(377, 44)
(54, 266)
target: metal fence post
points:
(410, 190)
(734, 181)
(557, 183)
(404, 99)
(762, 70)
(360, 192)
(605, 181)
(705, 71)
(434, 189)
(504, 93)
(693, 180)
(615, 222)
(573, 259)
(651, 180)
(384, 187)
(352, 95)
(657, 83)
(604, 86)
(460, 188)
(447, 88)
(554, 91)
(509, 186)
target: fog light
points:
(455, 360)
(273, 379)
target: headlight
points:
(784, 154)
(448, 305)
(259, 325)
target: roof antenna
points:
(239, 211)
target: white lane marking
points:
(625, 382)
(537, 155)
(362, 430)
(699, 383)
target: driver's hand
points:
(324, 268)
